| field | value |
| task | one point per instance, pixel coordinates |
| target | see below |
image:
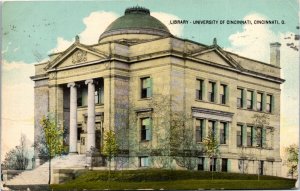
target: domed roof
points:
(136, 20)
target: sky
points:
(33, 29)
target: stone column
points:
(73, 118)
(91, 115)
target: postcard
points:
(150, 94)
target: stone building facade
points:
(139, 74)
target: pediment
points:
(216, 56)
(76, 54)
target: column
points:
(73, 118)
(91, 115)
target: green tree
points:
(211, 148)
(260, 121)
(110, 149)
(291, 161)
(17, 158)
(53, 139)
(181, 140)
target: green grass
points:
(171, 179)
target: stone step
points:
(40, 175)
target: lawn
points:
(171, 179)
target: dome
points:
(136, 20)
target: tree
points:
(181, 140)
(260, 122)
(291, 161)
(17, 158)
(110, 149)
(53, 139)
(211, 148)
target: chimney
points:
(275, 54)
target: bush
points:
(166, 175)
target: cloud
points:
(95, 25)
(61, 45)
(17, 106)
(165, 18)
(97, 22)
(254, 42)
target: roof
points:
(136, 18)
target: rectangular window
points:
(239, 98)
(223, 130)
(261, 167)
(199, 89)
(241, 165)
(224, 165)
(239, 136)
(212, 128)
(223, 95)
(249, 99)
(249, 136)
(269, 103)
(211, 91)
(146, 90)
(259, 101)
(201, 163)
(199, 130)
(213, 164)
(79, 131)
(146, 129)
(99, 92)
(259, 137)
(82, 95)
(144, 161)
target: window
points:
(144, 161)
(269, 103)
(99, 92)
(201, 163)
(211, 91)
(79, 131)
(146, 91)
(224, 165)
(240, 98)
(249, 99)
(199, 89)
(212, 128)
(239, 136)
(249, 136)
(199, 129)
(259, 137)
(82, 94)
(241, 165)
(223, 94)
(213, 164)
(261, 167)
(259, 101)
(223, 132)
(146, 129)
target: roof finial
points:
(215, 41)
(77, 39)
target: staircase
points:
(40, 175)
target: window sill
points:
(144, 141)
(225, 105)
(252, 147)
(224, 144)
(271, 113)
(143, 99)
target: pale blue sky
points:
(34, 26)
